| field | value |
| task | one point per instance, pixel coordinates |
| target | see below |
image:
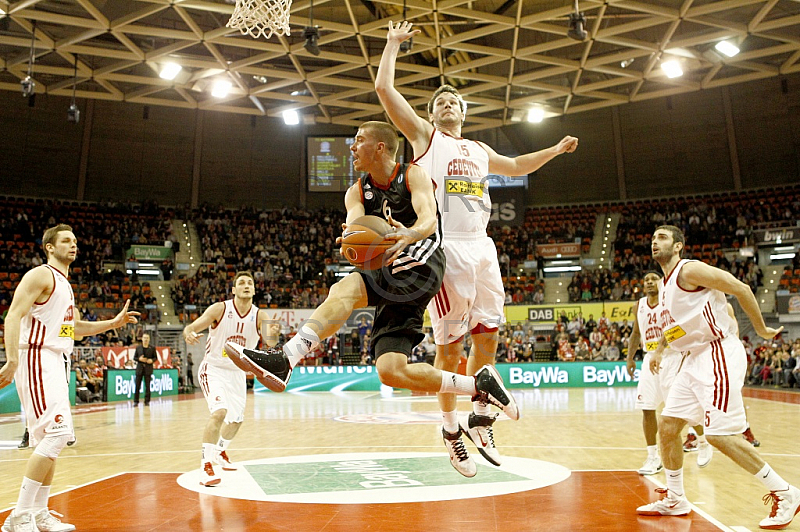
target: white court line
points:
(76, 487)
(702, 513)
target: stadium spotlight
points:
(27, 84)
(221, 88)
(577, 23)
(311, 33)
(169, 71)
(727, 48)
(672, 69)
(291, 117)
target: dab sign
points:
(541, 314)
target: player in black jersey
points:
(400, 291)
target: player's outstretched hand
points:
(567, 145)
(402, 238)
(125, 317)
(401, 32)
(769, 333)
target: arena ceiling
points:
(505, 56)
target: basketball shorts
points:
(42, 380)
(653, 389)
(399, 297)
(224, 388)
(472, 291)
(708, 389)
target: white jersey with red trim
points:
(51, 325)
(692, 319)
(232, 327)
(459, 168)
(650, 327)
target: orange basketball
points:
(362, 243)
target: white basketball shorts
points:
(653, 389)
(42, 380)
(472, 292)
(224, 388)
(708, 389)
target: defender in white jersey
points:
(224, 385)
(472, 296)
(653, 387)
(41, 327)
(708, 389)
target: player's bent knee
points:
(390, 366)
(219, 414)
(52, 445)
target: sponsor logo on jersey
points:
(67, 331)
(464, 167)
(651, 346)
(464, 188)
(674, 333)
(69, 315)
(59, 418)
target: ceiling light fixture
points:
(221, 88)
(169, 71)
(672, 69)
(536, 115)
(291, 117)
(727, 48)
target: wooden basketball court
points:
(125, 470)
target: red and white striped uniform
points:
(653, 389)
(472, 294)
(47, 337)
(223, 384)
(708, 388)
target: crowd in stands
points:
(774, 362)
(287, 250)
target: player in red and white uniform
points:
(472, 295)
(40, 331)
(708, 389)
(653, 387)
(224, 385)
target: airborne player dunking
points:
(472, 295)
(224, 385)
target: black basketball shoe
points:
(271, 367)
(490, 389)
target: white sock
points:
(481, 409)
(675, 481)
(222, 444)
(652, 451)
(771, 480)
(209, 450)
(455, 383)
(301, 345)
(42, 497)
(27, 495)
(450, 421)
(701, 438)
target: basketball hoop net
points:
(261, 17)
